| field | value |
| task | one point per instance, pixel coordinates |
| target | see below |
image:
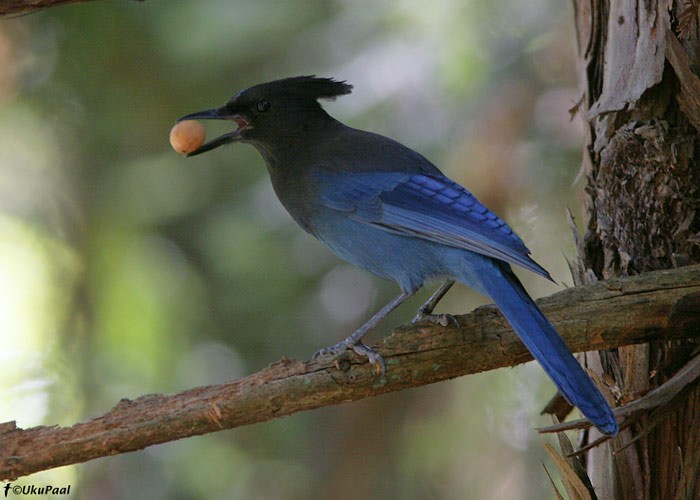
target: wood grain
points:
(622, 311)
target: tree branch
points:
(18, 7)
(622, 311)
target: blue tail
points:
(547, 347)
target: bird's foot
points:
(363, 350)
(438, 319)
(329, 351)
(372, 356)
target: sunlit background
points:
(126, 269)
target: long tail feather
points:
(548, 348)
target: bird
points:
(387, 209)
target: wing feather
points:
(427, 206)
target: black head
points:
(271, 110)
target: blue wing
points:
(426, 206)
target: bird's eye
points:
(262, 105)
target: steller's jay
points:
(385, 208)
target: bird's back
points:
(340, 149)
(357, 151)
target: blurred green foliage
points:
(127, 269)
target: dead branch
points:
(606, 315)
(656, 398)
(19, 7)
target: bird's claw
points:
(372, 356)
(333, 350)
(363, 350)
(438, 319)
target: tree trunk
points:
(639, 99)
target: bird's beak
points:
(222, 113)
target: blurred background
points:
(126, 269)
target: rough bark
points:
(605, 315)
(641, 196)
(19, 7)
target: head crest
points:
(305, 87)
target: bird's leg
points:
(354, 340)
(425, 312)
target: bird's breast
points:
(408, 261)
(297, 194)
